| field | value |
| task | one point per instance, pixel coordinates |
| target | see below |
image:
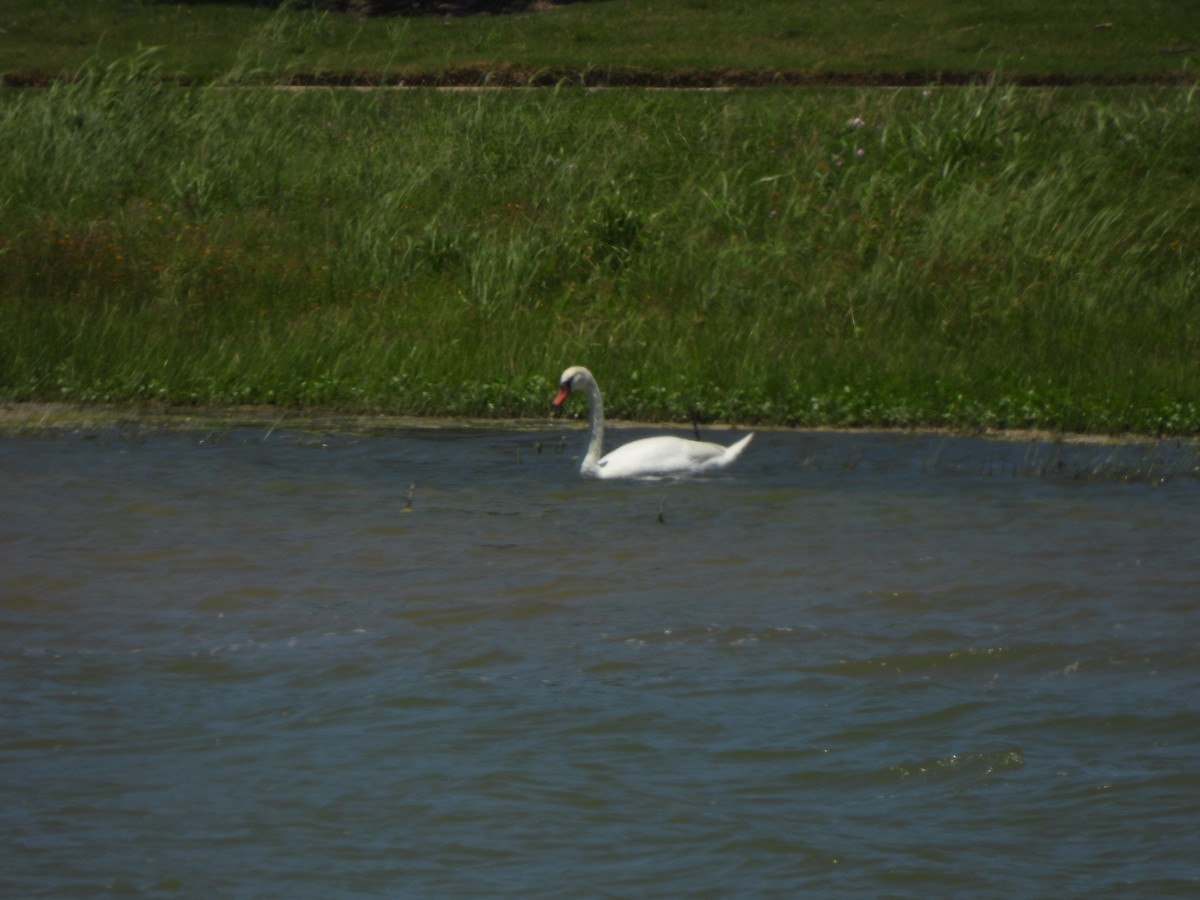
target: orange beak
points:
(563, 393)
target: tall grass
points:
(985, 256)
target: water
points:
(233, 664)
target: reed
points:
(981, 256)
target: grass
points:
(988, 256)
(205, 41)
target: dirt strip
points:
(519, 76)
(33, 418)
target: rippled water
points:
(235, 664)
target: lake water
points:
(241, 664)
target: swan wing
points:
(668, 456)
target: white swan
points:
(648, 458)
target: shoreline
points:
(32, 417)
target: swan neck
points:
(595, 446)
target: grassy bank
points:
(204, 41)
(984, 256)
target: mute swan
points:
(647, 458)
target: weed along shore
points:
(980, 256)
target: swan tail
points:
(733, 451)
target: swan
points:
(653, 457)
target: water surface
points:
(244, 664)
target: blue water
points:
(243, 663)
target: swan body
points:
(655, 457)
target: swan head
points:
(572, 379)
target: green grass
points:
(205, 41)
(980, 256)
(988, 256)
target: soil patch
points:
(33, 418)
(520, 76)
